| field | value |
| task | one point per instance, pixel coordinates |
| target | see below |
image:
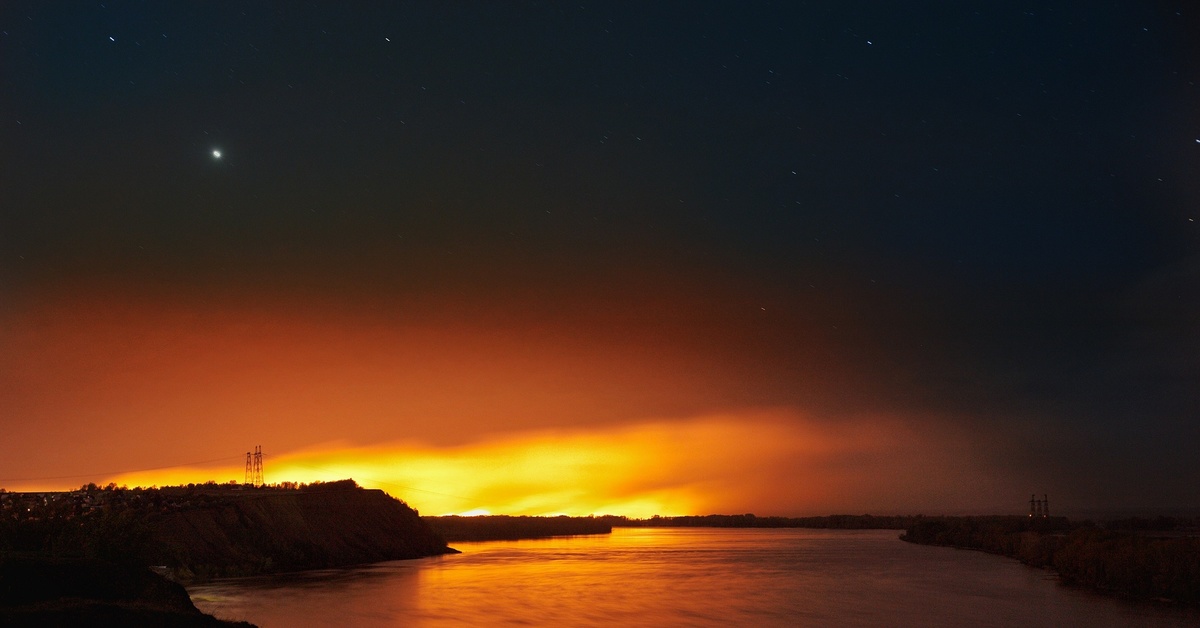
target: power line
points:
(109, 473)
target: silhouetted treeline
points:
(503, 527)
(834, 522)
(454, 528)
(115, 531)
(1118, 558)
(1028, 540)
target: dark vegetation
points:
(210, 530)
(1140, 558)
(43, 591)
(272, 530)
(98, 545)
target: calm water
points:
(684, 577)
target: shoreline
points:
(1113, 562)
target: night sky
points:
(871, 256)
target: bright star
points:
(216, 154)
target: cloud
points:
(768, 462)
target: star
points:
(216, 154)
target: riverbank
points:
(702, 577)
(509, 528)
(263, 531)
(454, 528)
(198, 532)
(1113, 560)
(83, 557)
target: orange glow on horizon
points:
(702, 466)
(526, 413)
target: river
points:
(684, 577)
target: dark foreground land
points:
(207, 531)
(83, 558)
(1138, 558)
(43, 591)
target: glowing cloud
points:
(711, 464)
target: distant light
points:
(216, 154)
(111, 38)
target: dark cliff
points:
(263, 531)
(211, 530)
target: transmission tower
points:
(258, 466)
(1039, 508)
(254, 467)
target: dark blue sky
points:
(988, 207)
